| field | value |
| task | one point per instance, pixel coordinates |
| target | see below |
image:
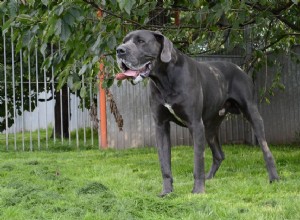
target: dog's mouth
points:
(136, 74)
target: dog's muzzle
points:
(135, 73)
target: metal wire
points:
(5, 89)
(37, 96)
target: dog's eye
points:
(140, 41)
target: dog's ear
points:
(167, 47)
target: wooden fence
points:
(282, 115)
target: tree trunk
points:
(159, 15)
(61, 113)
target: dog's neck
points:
(162, 82)
(160, 76)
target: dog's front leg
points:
(164, 154)
(197, 132)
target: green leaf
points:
(7, 25)
(96, 44)
(70, 81)
(30, 2)
(59, 10)
(19, 45)
(26, 38)
(112, 42)
(219, 13)
(121, 4)
(76, 85)
(95, 59)
(13, 7)
(119, 83)
(3, 7)
(50, 30)
(83, 69)
(45, 2)
(57, 28)
(83, 92)
(34, 29)
(65, 31)
(63, 76)
(69, 19)
(128, 5)
(281, 86)
(110, 82)
(43, 49)
(76, 13)
(47, 62)
(25, 18)
(267, 100)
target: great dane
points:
(193, 94)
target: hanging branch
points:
(114, 110)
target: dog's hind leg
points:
(254, 117)
(212, 139)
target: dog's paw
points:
(209, 176)
(198, 191)
(274, 180)
(165, 193)
(273, 176)
(198, 187)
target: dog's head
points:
(139, 52)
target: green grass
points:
(124, 184)
(32, 141)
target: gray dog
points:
(193, 94)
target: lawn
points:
(69, 183)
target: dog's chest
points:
(171, 110)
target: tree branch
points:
(96, 6)
(280, 37)
(289, 24)
(277, 13)
(282, 8)
(264, 49)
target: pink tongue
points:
(128, 73)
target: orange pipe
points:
(102, 95)
(177, 17)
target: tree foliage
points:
(206, 26)
(83, 32)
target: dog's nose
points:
(121, 50)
